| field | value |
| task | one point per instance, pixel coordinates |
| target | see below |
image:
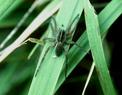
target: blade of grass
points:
(88, 78)
(93, 66)
(95, 42)
(9, 21)
(106, 18)
(39, 20)
(7, 6)
(30, 10)
(45, 81)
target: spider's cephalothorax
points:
(60, 42)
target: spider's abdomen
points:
(59, 49)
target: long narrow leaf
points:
(95, 42)
(45, 81)
(106, 18)
(7, 6)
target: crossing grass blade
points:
(95, 42)
(106, 18)
(26, 15)
(88, 78)
(107, 55)
(45, 81)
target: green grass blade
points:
(26, 15)
(12, 22)
(88, 78)
(110, 14)
(45, 81)
(107, 55)
(95, 42)
(106, 18)
(7, 6)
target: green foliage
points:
(17, 71)
(7, 6)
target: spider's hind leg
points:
(65, 64)
(42, 60)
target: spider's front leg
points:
(38, 41)
(34, 40)
(54, 27)
(42, 43)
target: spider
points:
(60, 39)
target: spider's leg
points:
(69, 36)
(74, 43)
(33, 40)
(66, 61)
(49, 39)
(53, 30)
(38, 41)
(42, 60)
(75, 20)
(54, 27)
(70, 30)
